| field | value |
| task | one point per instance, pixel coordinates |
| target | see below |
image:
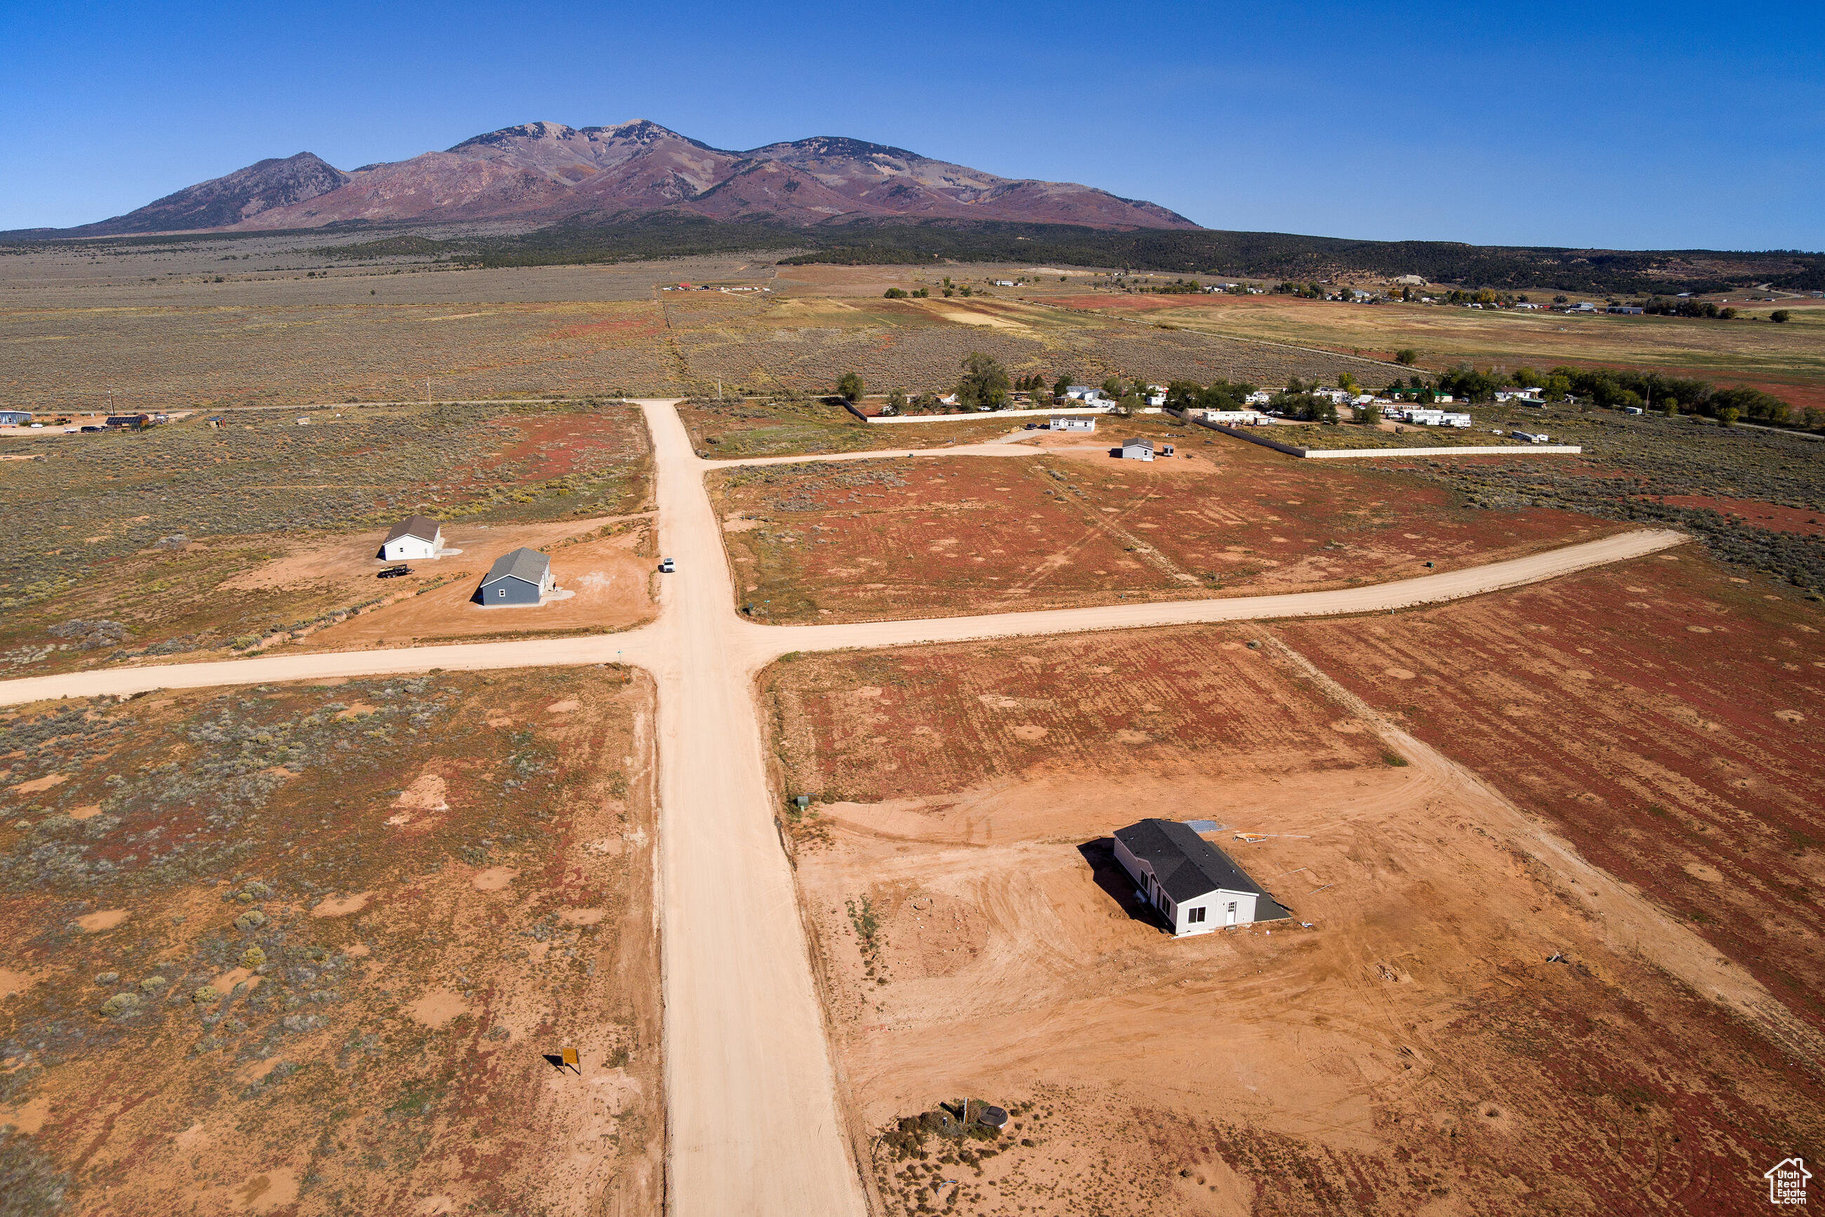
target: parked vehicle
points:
(393, 572)
(667, 566)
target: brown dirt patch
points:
(1412, 1043)
(255, 1026)
(1665, 749)
(936, 537)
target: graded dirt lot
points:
(1666, 716)
(1411, 1049)
(304, 949)
(197, 539)
(944, 536)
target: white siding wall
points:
(407, 549)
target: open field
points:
(942, 536)
(189, 538)
(1786, 360)
(303, 949)
(1411, 1049)
(152, 324)
(1755, 497)
(1388, 435)
(1666, 717)
(737, 429)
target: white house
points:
(1082, 392)
(1188, 881)
(415, 538)
(1235, 418)
(1530, 395)
(1532, 437)
(1073, 422)
(1138, 449)
(1004, 283)
(1260, 397)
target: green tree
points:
(1780, 316)
(849, 387)
(984, 383)
(896, 401)
(1728, 416)
(1369, 415)
(1060, 385)
(895, 293)
(1347, 383)
(1406, 357)
(1112, 387)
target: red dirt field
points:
(1410, 1051)
(302, 949)
(941, 536)
(1763, 515)
(1667, 719)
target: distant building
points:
(15, 418)
(520, 577)
(129, 420)
(1234, 418)
(1626, 310)
(1082, 392)
(413, 538)
(1004, 283)
(1072, 423)
(1260, 397)
(1138, 449)
(1412, 280)
(1190, 883)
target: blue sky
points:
(1618, 124)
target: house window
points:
(500, 591)
(1195, 916)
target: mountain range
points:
(542, 173)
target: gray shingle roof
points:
(1188, 866)
(528, 565)
(422, 527)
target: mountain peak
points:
(544, 172)
(508, 135)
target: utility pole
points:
(427, 390)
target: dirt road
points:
(752, 1115)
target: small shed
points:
(415, 538)
(1138, 449)
(1188, 881)
(520, 577)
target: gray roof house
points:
(413, 537)
(1137, 449)
(520, 577)
(1191, 883)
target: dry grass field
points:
(1072, 525)
(189, 538)
(748, 427)
(1786, 360)
(283, 327)
(304, 950)
(1441, 1028)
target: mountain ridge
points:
(545, 172)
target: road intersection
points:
(753, 1121)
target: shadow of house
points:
(1118, 884)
